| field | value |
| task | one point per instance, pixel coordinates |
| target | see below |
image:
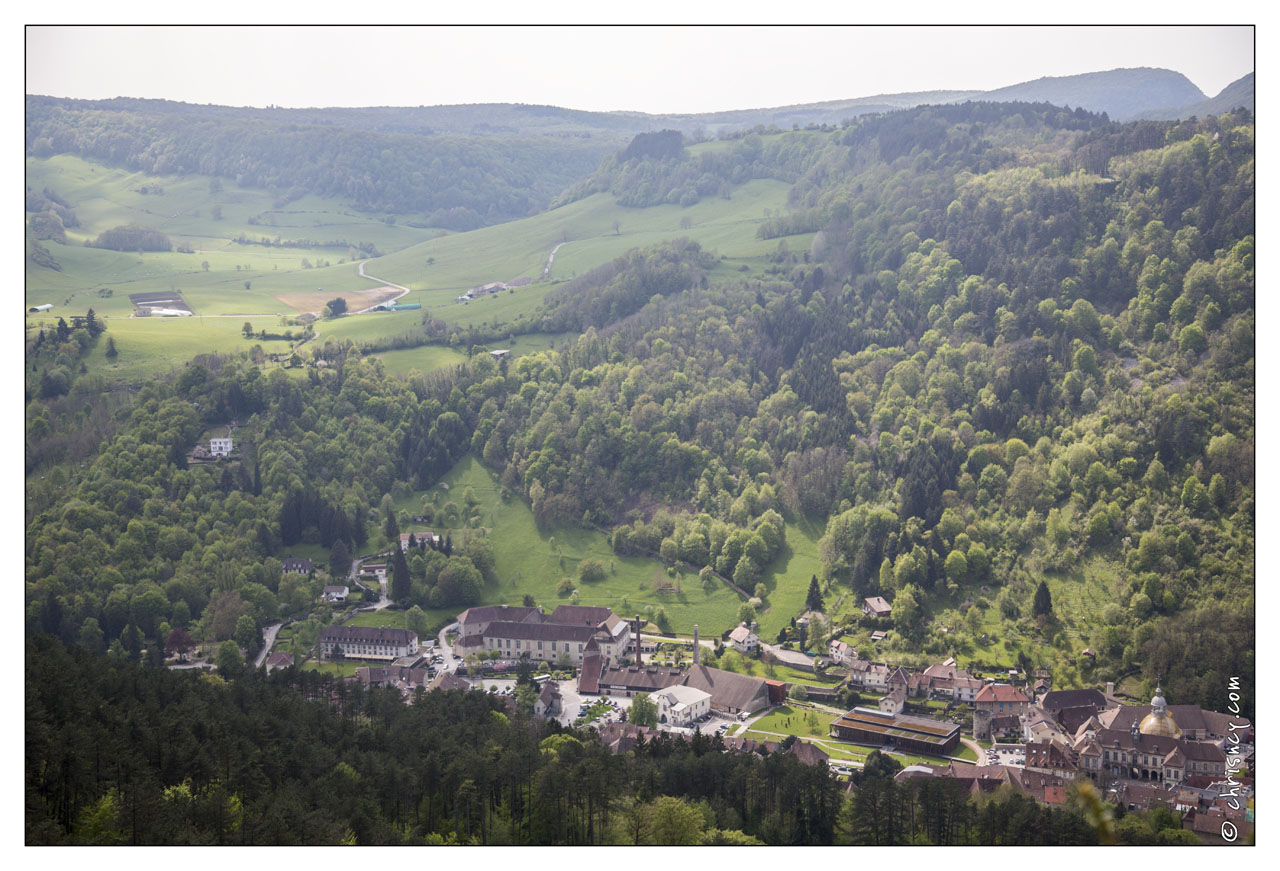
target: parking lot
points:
(1005, 754)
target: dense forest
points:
(118, 753)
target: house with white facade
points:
(743, 640)
(681, 705)
(335, 594)
(220, 447)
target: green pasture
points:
(104, 197)
(520, 249)
(532, 561)
(430, 357)
(424, 359)
(788, 576)
(146, 347)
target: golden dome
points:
(1158, 722)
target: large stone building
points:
(1152, 748)
(367, 642)
(528, 633)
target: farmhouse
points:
(335, 594)
(220, 447)
(297, 566)
(418, 538)
(367, 642)
(900, 731)
(876, 606)
(743, 640)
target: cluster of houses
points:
(1139, 756)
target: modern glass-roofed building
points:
(901, 731)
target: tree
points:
(179, 642)
(617, 227)
(91, 636)
(229, 660)
(216, 212)
(247, 329)
(337, 306)
(340, 559)
(248, 285)
(643, 711)
(813, 601)
(111, 348)
(591, 571)
(674, 822)
(416, 620)
(1043, 603)
(799, 693)
(131, 638)
(247, 634)
(401, 584)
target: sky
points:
(656, 69)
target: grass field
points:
(519, 249)
(103, 198)
(532, 561)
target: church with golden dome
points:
(1153, 747)
(1159, 722)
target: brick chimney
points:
(696, 654)
(639, 653)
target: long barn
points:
(900, 731)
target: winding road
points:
(403, 290)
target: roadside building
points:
(743, 640)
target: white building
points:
(681, 705)
(335, 594)
(368, 642)
(220, 447)
(743, 639)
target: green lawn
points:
(346, 668)
(532, 561)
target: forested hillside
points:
(450, 181)
(1013, 353)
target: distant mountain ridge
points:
(1124, 94)
(1233, 96)
(1121, 93)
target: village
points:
(589, 667)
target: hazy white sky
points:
(650, 69)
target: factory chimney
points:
(639, 654)
(695, 644)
